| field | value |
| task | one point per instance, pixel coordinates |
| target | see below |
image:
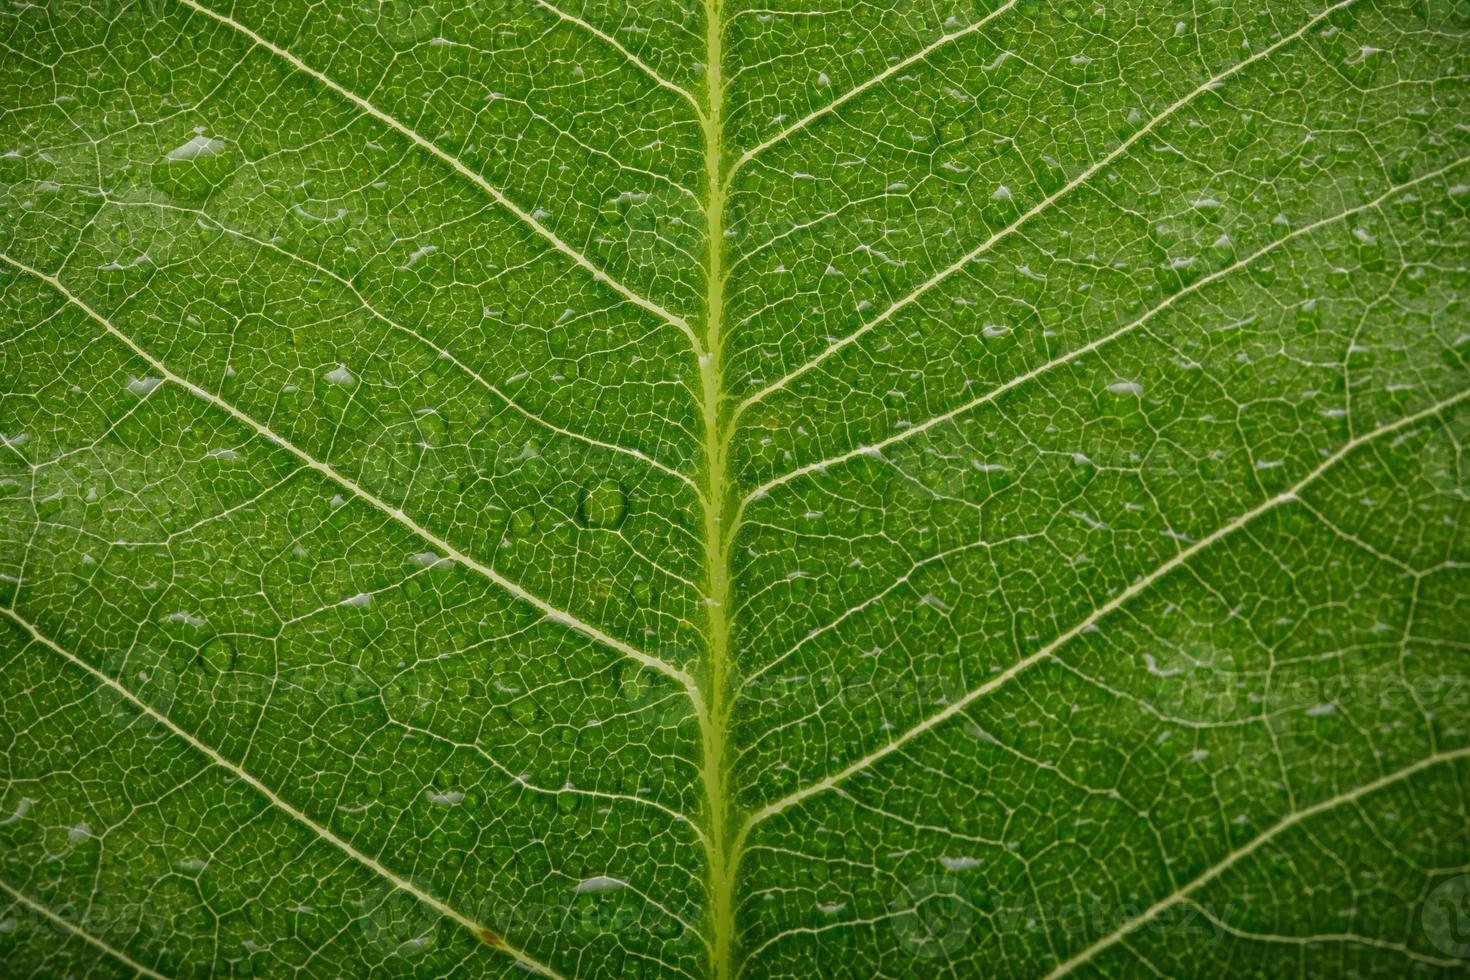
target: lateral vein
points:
(1082, 178)
(877, 79)
(910, 431)
(448, 355)
(397, 514)
(1139, 585)
(459, 167)
(1317, 939)
(81, 933)
(622, 49)
(300, 817)
(1265, 837)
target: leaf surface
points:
(662, 489)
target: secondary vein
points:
(515, 589)
(321, 830)
(458, 165)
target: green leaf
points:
(711, 489)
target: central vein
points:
(713, 723)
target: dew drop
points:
(217, 656)
(599, 883)
(194, 169)
(603, 504)
(522, 522)
(962, 863)
(341, 376)
(12, 167)
(199, 146)
(432, 429)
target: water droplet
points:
(599, 883)
(432, 428)
(217, 656)
(340, 375)
(603, 504)
(196, 168)
(199, 146)
(522, 521)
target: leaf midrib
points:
(722, 860)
